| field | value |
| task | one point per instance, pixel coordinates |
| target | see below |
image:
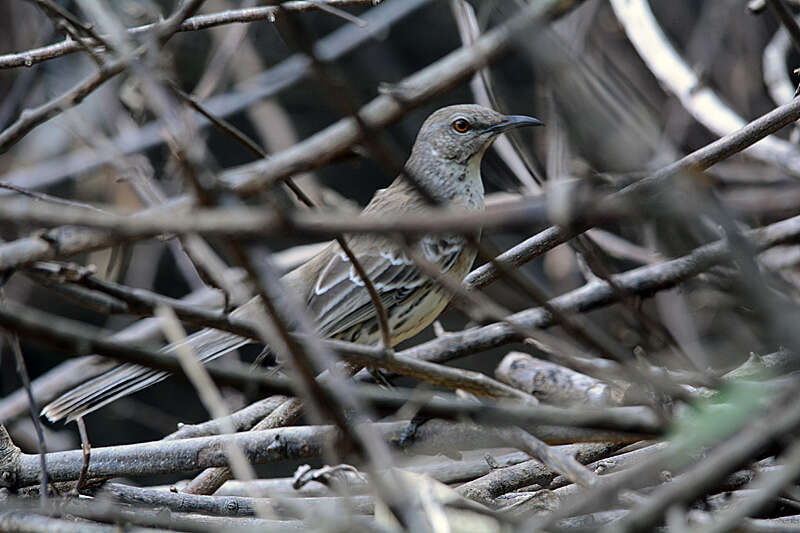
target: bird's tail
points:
(127, 378)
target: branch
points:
(643, 281)
(513, 477)
(30, 522)
(777, 80)
(738, 444)
(114, 514)
(260, 447)
(563, 463)
(235, 505)
(411, 92)
(70, 373)
(29, 58)
(241, 420)
(699, 100)
(445, 470)
(555, 384)
(255, 222)
(30, 118)
(269, 83)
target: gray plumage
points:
(445, 161)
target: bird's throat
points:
(473, 183)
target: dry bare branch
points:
(700, 100)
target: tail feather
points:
(127, 378)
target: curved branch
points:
(699, 100)
(776, 79)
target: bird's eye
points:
(461, 125)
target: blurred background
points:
(610, 117)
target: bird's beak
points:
(515, 121)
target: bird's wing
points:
(339, 300)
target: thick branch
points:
(247, 222)
(297, 442)
(234, 505)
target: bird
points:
(445, 163)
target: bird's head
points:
(459, 132)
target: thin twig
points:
(251, 222)
(22, 371)
(562, 463)
(273, 80)
(199, 22)
(86, 447)
(50, 198)
(206, 390)
(31, 118)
